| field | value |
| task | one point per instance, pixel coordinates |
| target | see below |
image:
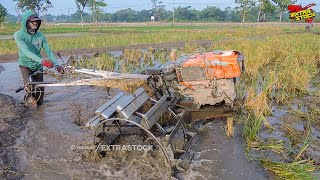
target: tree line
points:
(246, 11)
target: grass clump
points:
(275, 145)
(252, 127)
(104, 61)
(296, 170)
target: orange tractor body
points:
(218, 65)
(206, 78)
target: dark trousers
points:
(26, 72)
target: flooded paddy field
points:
(44, 146)
(51, 142)
(43, 140)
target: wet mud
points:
(296, 129)
(13, 120)
(220, 157)
(52, 145)
(50, 141)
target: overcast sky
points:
(65, 6)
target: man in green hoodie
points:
(30, 41)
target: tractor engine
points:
(206, 79)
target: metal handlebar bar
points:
(35, 73)
(20, 89)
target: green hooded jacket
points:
(30, 45)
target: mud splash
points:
(51, 142)
(51, 146)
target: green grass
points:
(58, 28)
(299, 170)
(93, 36)
(275, 145)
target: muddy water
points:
(10, 79)
(220, 157)
(282, 120)
(45, 147)
(49, 145)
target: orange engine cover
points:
(218, 64)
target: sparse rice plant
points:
(252, 127)
(298, 170)
(272, 144)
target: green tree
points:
(106, 17)
(211, 13)
(124, 15)
(158, 9)
(49, 18)
(267, 7)
(62, 18)
(283, 5)
(35, 5)
(96, 8)
(228, 12)
(18, 11)
(186, 13)
(76, 17)
(261, 4)
(244, 7)
(81, 4)
(3, 14)
(144, 15)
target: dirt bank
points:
(13, 120)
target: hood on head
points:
(28, 15)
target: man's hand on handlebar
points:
(60, 69)
(47, 63)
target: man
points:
(310, 24)
(30, 42)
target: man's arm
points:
(48, 51)
(24, 48)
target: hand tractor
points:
(157, 104)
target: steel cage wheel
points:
(141, 127)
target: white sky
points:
(65, 6)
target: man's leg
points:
(25, 72)
(39, 94)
